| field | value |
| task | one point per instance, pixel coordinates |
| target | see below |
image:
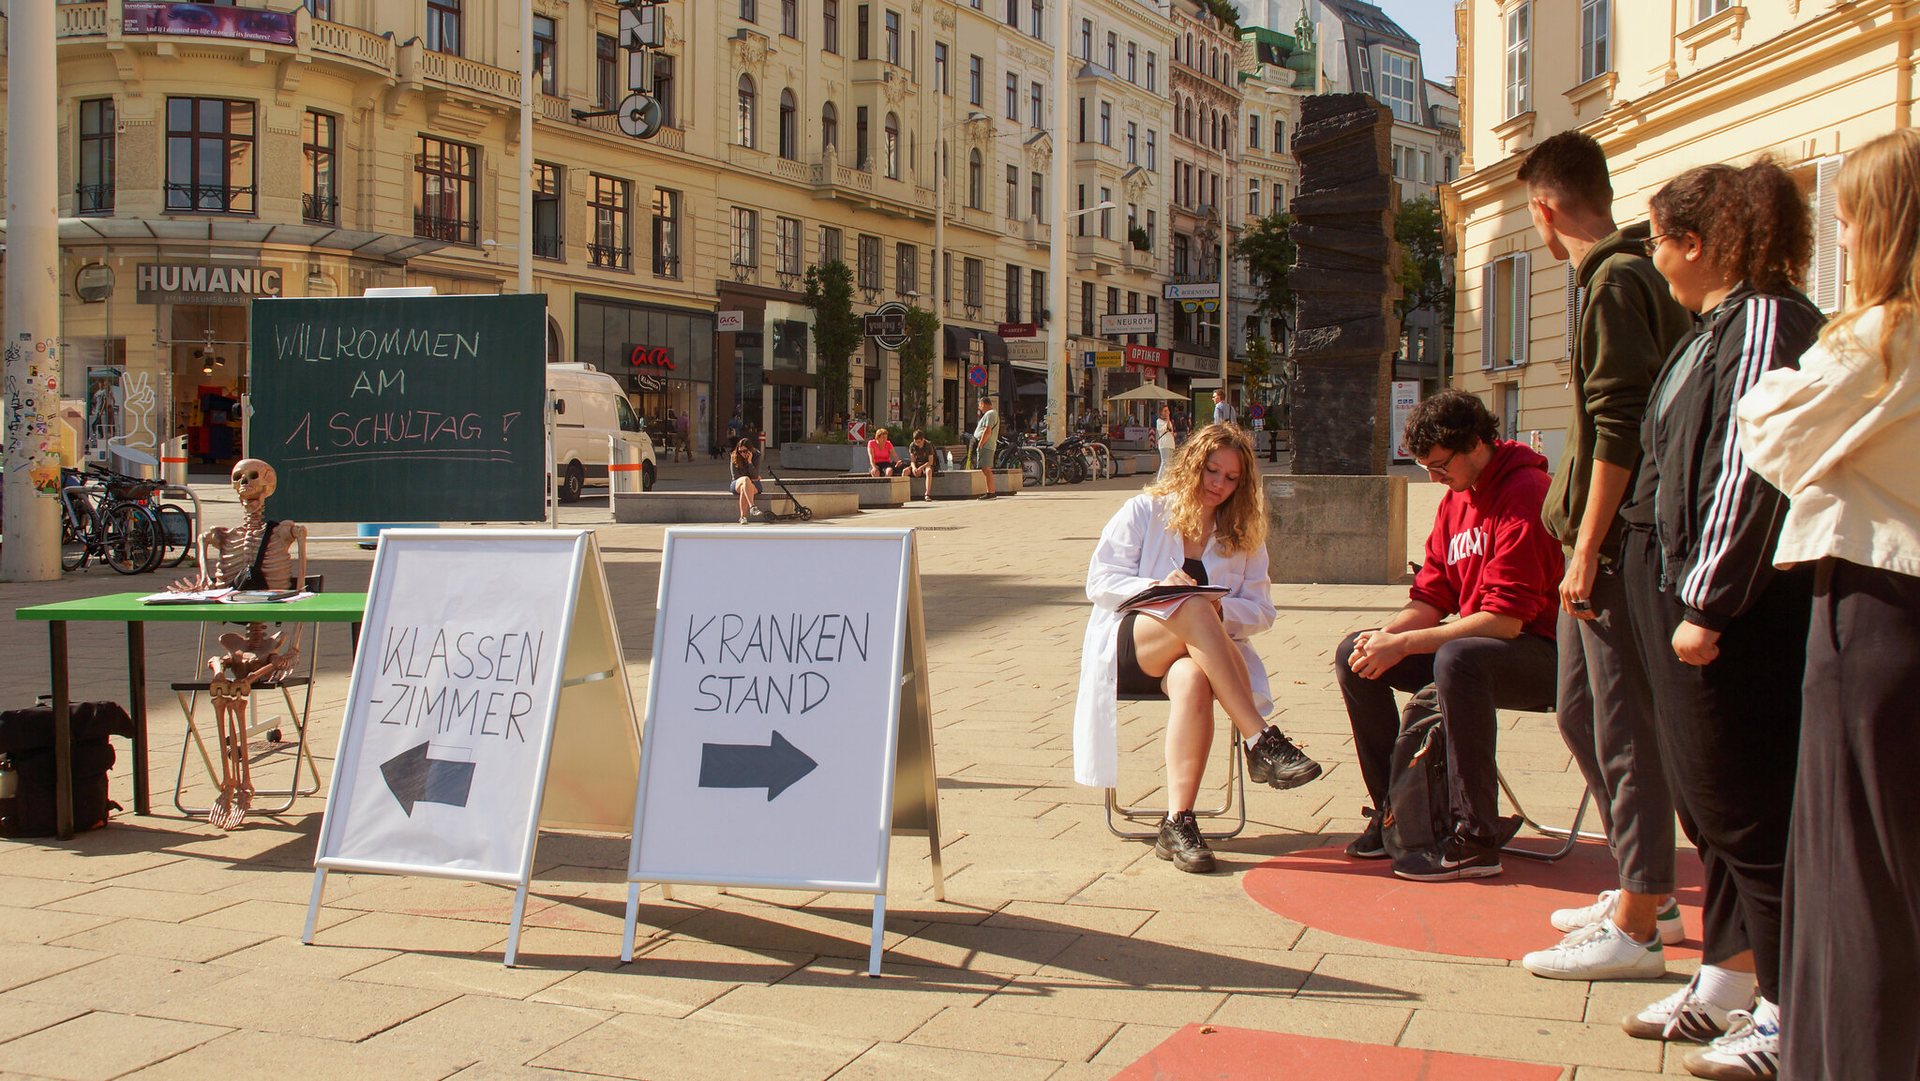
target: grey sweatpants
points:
(1606, 716)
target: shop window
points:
(612, 245)
(320, 193)
(210, 161)
(449, 191)
(548, 241)
(443, 26)
(666, 233)
(94, 190)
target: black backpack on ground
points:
(1419, 809)
(26, 746)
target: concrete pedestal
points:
(1337, 529)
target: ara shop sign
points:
(650, 356)
(203, 283)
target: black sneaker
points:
(1274, 760)
(1457, 856)
(1180, 841)
(1372, 843)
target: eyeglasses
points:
(1440, 468)
(1652, 243)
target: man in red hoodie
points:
(1490, 561)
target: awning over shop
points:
(958, 337)
(387, 247)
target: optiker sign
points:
(203, 283)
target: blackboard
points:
(421, 409)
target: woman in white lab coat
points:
(1203, 522)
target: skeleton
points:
(255, 555)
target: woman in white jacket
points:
(1202, 523)
(1841, 438)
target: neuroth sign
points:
(773, 707)
(408, 408)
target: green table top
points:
(126, 608)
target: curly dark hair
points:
(1572, 166)
(1752, 221)
(1453, 420)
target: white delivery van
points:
(588, 407)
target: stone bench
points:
(872, 491)
(684, 508)
(968, 484)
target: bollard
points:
(623, 467)
(173, 460)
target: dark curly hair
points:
(1752, 221)
(1572, 166)
(1453, 420)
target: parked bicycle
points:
(102, 517)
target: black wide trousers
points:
(1853, 871)
(1729, 736)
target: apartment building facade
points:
(1664, 85)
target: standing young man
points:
(986, 433)
(1222, 410)
(1627, 324)
(1490, 561)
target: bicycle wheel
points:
(176, 534)
(132, 542)
(73, 542)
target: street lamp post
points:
(1057, 230)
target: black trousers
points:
(1474, 677)
(1729, 735)
(1853, 869)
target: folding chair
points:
(1235, 798)
(190, 692)
(1569, 835)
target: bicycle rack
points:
(193, 529)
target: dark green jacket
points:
(1628, 324)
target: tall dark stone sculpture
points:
(1344, 282)
(1340, 517)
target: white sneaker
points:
(1683, 1015)
(1750, 1051)
(1667, 920)
(1598, 952)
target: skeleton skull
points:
(253, 480)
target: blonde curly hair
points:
(1240, 523)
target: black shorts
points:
(1130, 681)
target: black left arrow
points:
(774, 767)
(413, 778)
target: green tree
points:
(837, 332)
(916, 365)
(1423, 281)
(1267, 246)
(1259, 367)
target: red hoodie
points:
(1489, 552)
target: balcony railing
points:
(93, 198)
(319, 209)
(449, 230)
(612, 258)
(210, 198)
(79, 20)
(353, 43)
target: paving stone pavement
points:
(162, 948)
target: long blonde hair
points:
(1880, 191)
(1240, 524)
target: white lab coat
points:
(1137, 549)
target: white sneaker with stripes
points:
(1573, 919)
(1683, 1015)
(1750, 1051)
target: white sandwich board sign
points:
(789, 727)
(488, 699)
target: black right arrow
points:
(413, 778)
(774, 767)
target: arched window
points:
(743, 123)
(976, 179)
(892, 148)
(789, 126)
(829, 127)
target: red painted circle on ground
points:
(1499, 918)
(1219, 1053)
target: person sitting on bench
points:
(1490, 560)
(1204, 523)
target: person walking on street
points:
(1223, 411)
(986, 435)
(1163, 438)
(1625, 328)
